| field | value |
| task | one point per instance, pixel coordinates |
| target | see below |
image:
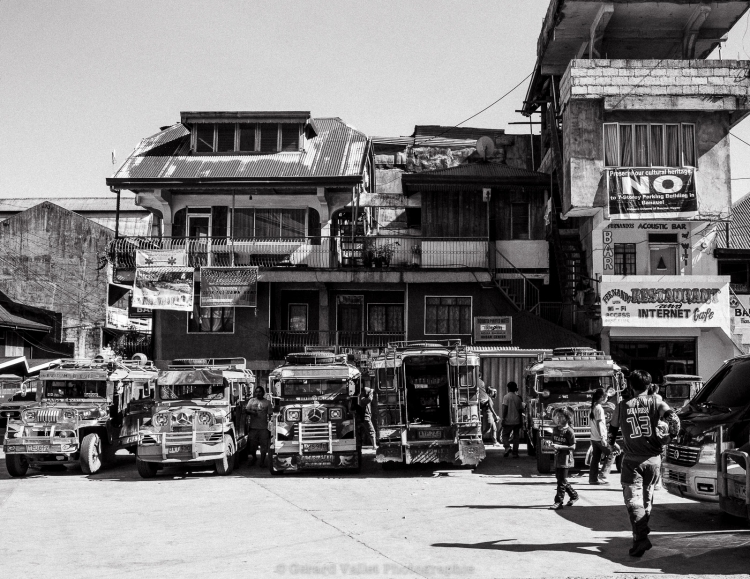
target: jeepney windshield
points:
(466, 376)
(728, 388)
(579, 384)
(311, 387)
(191, 392)
(61, 389)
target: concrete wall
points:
(50, 258)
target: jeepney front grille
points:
(581, 418)
(682, 455)
(675, 476)
(48, 415)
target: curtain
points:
(448, 315)
(641, 145)
(376, 318)
(395, 319)
(385, 318)
(244, 223)
(267, 223)
(292, 223)
(673, 145)
(611, 152)
(657, 145)
(688, 145)
(626, 145)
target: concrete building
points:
(635, 133)
(358, 244)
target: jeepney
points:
(198, 419)
(567, 378)
(85, 411)
(720, 409)
(733, 472)
(678, 389)
(15, 396)
(314, 425)
(427, 403)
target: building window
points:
(520, 221)
(209, 320)
(738, 275)
(385, 318)
(270, 223)
(624, 258)
(447, 315)
(297, 317)
(246, 137)
(649, 145)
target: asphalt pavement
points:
(424, 521)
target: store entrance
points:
(657, 357)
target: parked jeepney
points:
(677, 389)
(199, 416)
(15, 396)
(315, 424)
(733, 471)
(85, 411)
(720, 409)
(427, 403)
(567, 378)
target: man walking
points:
(367, 396)
(486, 408)
(513, 407)
(643, 433)
(259, 412)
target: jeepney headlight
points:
(29, 415)
(293, 415)
(70, 414)
(160, 419)
(336, 413)
(90, 414)
(66, 434)
(545, 393)
(610, 392)
(708, 453)
(205, 418)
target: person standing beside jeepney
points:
(513, 407)
(366, 398)
(599, 446)
(486, 408)
(259, 411)
(646, 422)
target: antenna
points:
(485, 147)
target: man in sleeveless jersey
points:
(646, 422)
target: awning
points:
(24, 368)
(12, 321)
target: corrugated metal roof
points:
(8, 320)
(739, 227)
(129, 226)
(76, 204)
(337, 151)
(474, 172)
(422, 132)
(176, 131)
(438, 142)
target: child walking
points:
(564, 442)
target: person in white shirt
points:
(600, 448)
(513, 407)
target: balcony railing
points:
(283, 342)
(314, 252)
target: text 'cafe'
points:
(667, 324)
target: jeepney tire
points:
(146, 469)
(543, 461)
(16, 464)
(91, 454)
(273, 470)
(225, 466)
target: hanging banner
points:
(163, 288)
(740, 305)
(235, 287)
(161, 258)
(651, 193)
(669, 301)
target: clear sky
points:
(79, 79)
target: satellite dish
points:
(485, 147)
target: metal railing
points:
(283, 342)
(315, 252)
(515, 285)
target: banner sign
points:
(740, 305)
(651, 193)
(161, 258)
(73, 375)
(493, 329)
(164, 288)
(229, 287)
(667, 301)
(118, 319)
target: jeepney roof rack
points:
(316, 359)
(214, 363)
(576, 354)
(450, 343)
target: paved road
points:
(415, 522)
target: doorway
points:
(350, 320)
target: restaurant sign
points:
(651, 193)
(667, 301)
(163, 288)
(229, 287)
(493, 329)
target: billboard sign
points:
(652, 193)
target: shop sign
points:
(651, 193)
(73, 375)
(666, 301)
(493, 329)
(740, 306)
(229, 287)
(163, 288)
(161, 258)
(118, 319)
